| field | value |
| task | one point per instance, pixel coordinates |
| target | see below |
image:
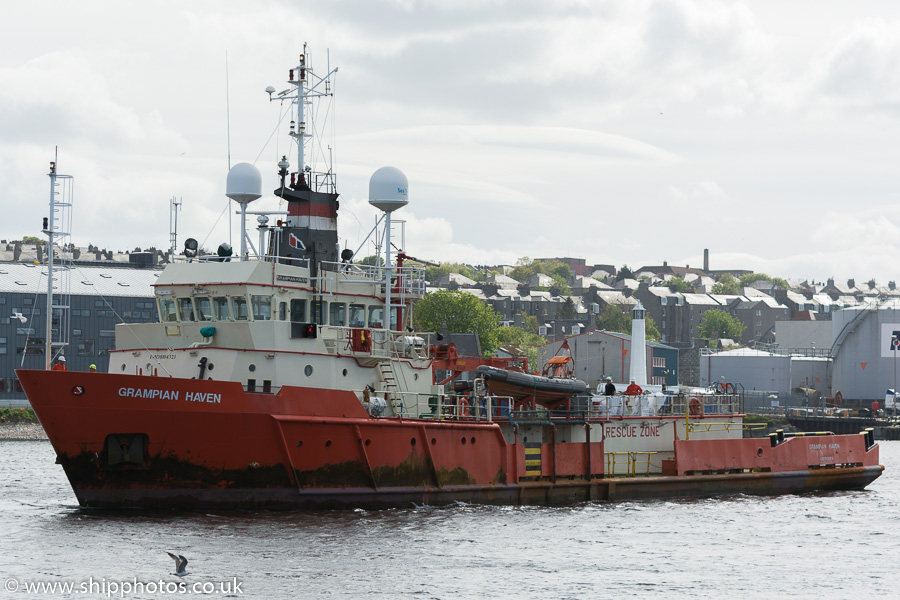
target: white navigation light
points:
(244, 183)
(388, 189)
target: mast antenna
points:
(228, 135)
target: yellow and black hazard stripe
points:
(533, 459)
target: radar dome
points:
(244, 183)
(388, 189)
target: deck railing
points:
(629, 464)
(466, 407)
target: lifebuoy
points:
(696, 406)
(462, 408)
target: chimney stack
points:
(706, 260)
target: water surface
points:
(831, 545)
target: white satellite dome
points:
(244, 183)
(388, 189)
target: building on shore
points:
(98, 299)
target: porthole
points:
(209, 366)
(464, 441)
(308, 370)
(433, 441)
(759, 452)
(299, 443)
(472, 441)
(252, 368)
(412, 441)
(149, 368)
(345, 372)
(415, 376)
(123, 366)
(327, 443)
(368, 442)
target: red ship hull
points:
(129, 441)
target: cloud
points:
(863, 69)
(621, 132)
(867, 226)
(33, 110)
(706, 203)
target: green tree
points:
(650, 330)
(372, 261)
(624, 273)
(559, 270)
(727, 284)
(567, 310)
(751, 278)
(459, 312)
(562, 286)
(525, 269)
(530, 323)
(614, 318)
(719, 324)
(30, 239)
(434, 274)
(618, 319)
(679, 284)
(525, 340)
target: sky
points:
(620, 132)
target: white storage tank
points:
(866, 351)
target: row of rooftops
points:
(30, 253)
(806, 297)
(599, 283)
(702, 284)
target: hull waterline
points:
(128, 441)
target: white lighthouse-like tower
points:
(638, 367)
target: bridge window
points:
(337, 314)
(262, 307)
(298, 311)
(239, 308)
(204, 309)
(167, 311)
(357, 315)
(186, 308)
(376, 317)
(220, 308)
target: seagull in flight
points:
(180, 564)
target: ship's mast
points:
(307, 88)
(174, 207)
(300, 134)
(309, 233)
(57, 230)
